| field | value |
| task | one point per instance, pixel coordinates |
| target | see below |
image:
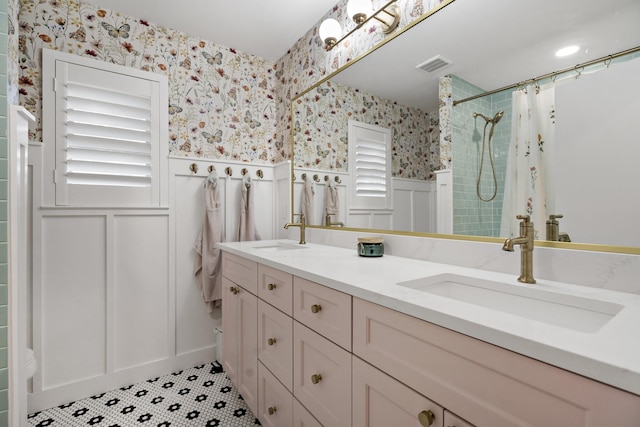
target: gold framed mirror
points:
(490, 45)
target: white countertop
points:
(610, 355)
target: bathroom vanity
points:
(316, 336)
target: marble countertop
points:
(610, 354)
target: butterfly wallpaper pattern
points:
(321, 123)
(223, 104)
(221, 101)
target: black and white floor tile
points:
(201, 396)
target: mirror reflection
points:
(581, 164)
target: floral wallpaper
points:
(13, 70)
(321, 124)
(221, 101)
(223, 104)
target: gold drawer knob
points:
(426, 418)
(234, 290)
(316, 378)
(272, 410)
(271, 341)
(315, 308)
(271, 286)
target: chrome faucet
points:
(526, 249)
(300, 224)
(329, 223)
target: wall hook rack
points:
(228, 171)
(193, 167)
(211, 168)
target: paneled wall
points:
(114, 298)
(414, 203)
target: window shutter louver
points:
(108, 137)
(105, 133)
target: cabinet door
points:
(230, 341)
(452, 420)
(381, 401)
(275, 407)
(322, 377)
(275, 342)
(302, 417)
(247, 348)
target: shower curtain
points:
(529, 177)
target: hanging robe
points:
(208, 257)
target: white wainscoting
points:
(417, 198)
(114, 300)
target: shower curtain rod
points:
(577, 68)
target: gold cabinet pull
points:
(271, 286)
(316, 378)
(234, 290)
(272, 410)
(271, 341)
(315, 308)
(426, 418)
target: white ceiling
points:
(494, 43)
(266, 28)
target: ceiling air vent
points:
(434, 64)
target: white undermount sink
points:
(567, 311)
(279, 246)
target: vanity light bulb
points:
(330, 31)
(359, 10)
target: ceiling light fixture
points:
(567, 50)
(360, 12)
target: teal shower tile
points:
(3, 229)
(3, 315)
(3, 253)
(4, 378)
(3, 169)
(4, 294)
(4, 419)
(3, 210)
(4, 400)
(4, 357)
(3, 336)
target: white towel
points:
(308, 192)
(208, 258)
(331, 201)
(247, 229)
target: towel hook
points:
(228, 171)
(304, 176)
(316, 178)
(326, 178)
(211, 168)
(259, 173)
(193, 167)
(337, 180)
(244, 171)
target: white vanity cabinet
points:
(485, 384)
(329, 358)
(240, 323)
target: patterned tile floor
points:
(200, 396)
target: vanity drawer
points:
(275, 402)
(241, 271)
(276, 288)
(380, 401)
(275, 342)
(483, 383)
(325, 310)
(302, 417)
(322, 377)
(452, 420)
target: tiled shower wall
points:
(473, 216)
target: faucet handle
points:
(524, 218)
(554, 217)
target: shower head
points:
(497, 117)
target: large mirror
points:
(481, 46)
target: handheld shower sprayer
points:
(493, 122)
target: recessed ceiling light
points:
(568, 50)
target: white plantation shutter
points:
(370, 160)
(109, 127)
